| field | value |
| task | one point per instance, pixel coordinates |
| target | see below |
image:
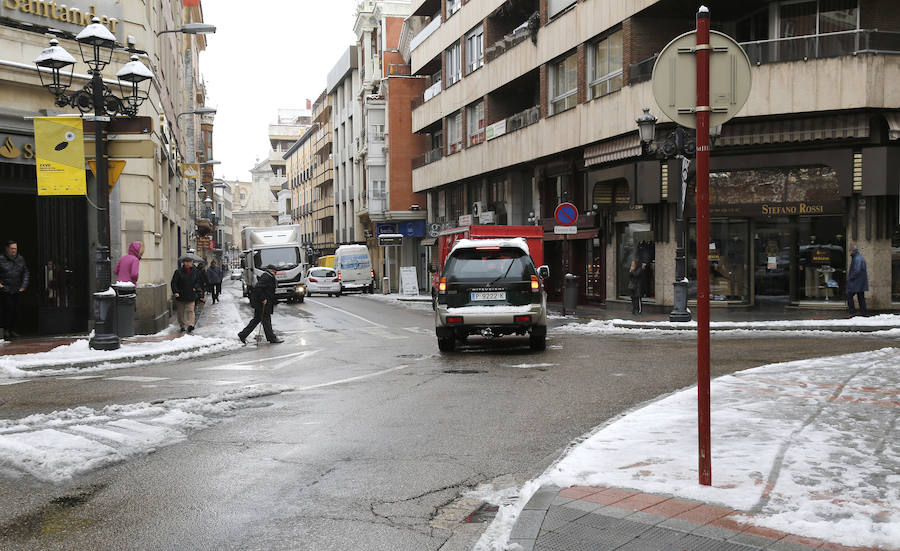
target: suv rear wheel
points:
(446, 344)
(537, 342)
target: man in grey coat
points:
(857, 282)
(13, 282)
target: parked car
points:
(492, 288)
(236, 273)
(322, 280)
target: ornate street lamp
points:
(97, 44)
(681, 145)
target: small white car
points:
(322, 280)
(237, 273)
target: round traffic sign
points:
(674, 79)
(566, 214)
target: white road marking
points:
(79, 377)
(259, 365)
(346, 312)
(14, 381)
(137, 379)
(350, 379)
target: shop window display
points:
(635, 242)
(729, 273)
(821, 258)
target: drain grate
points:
(463, 371)
(485, 513)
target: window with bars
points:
(605, 65)
(563, 84)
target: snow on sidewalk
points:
(808, 447)
(56, 446)
(217, 326)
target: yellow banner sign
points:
(59, 152)
(190, 170)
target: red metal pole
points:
(703, 417)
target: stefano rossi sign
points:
(66, 16)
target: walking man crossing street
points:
(263, 301)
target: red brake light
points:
(487, 248)
(336, 280)
(522, 319)
(442, 285)
(535, 284)
(313, 280)
(454, 319)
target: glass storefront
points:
(895, 266)
(635, 242)
(790, 259)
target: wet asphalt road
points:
(373, 447)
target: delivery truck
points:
(278, 246)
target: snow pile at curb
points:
(747, 329)
(57, 446)
(78, 352)
(807, 446)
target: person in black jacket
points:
(263, 301)
(13, 282)
(636, 286)
(214, 276)
(185, 282)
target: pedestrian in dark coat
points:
(214, 276)
(14, 279)
(857, 281)
(636, 286)
(263, 301)
(185, 282)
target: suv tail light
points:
(535, 284)
(313, 280)
(454, 319)
(522, 319)
(442, 286)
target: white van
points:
(354, 267)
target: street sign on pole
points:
(566, 214)
(674, 78)
(565, 230)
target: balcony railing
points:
(398, 69)
(426, 32)
(427, 158)
(800, 48)
(508, 42)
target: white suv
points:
(492, 288)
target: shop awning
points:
(613, 150)
(893, 120)
(855, 125)
(429, 242)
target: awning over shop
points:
(893, 120)
(613, 150)
(807, 129)
(429, 242)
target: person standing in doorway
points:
(857, 282)
(185, 281)
(128, 267)
(636, 286)
(214, 278)
(14, 279)
(263, 301)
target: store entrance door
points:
(772, 242)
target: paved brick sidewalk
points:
(607, 519)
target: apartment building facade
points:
(387, 143)
(322, 183)
(57, 234)
(533, 103)
(343, 87)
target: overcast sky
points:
(265, 55)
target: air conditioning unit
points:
(478, 207)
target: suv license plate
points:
(488, 295)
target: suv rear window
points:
(489, 265)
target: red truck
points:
(534, 236)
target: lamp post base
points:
(680, 313)
(105, 337)
(104, 342)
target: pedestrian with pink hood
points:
(128, 266)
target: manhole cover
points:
(485, 513)
(463, 371)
